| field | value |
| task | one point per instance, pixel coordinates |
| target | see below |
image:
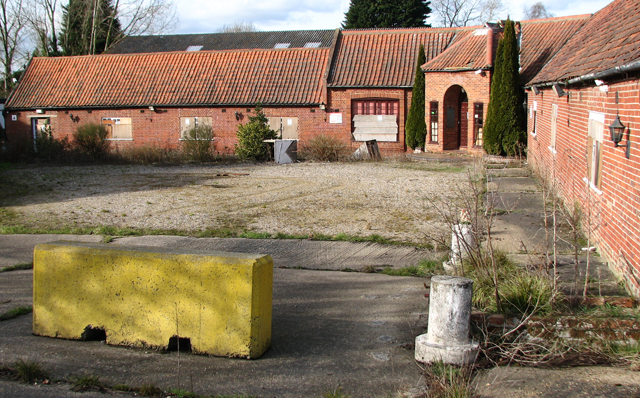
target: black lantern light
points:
(617, 133)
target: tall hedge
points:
(503, 130)
(416, 128)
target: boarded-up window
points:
(433, 121)
(118, 128)
(554, 126)
(189, 123)
(478, 114)
(594, 148)
(286, 127)
(375, 119)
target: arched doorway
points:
(455, 118)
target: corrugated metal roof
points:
(385, 57)
(608, 40)
(291, 76)
(542, 39)
(221, 41)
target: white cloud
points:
(203, 16)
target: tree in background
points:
(363, 14)
(89, 27)
(238, 27)
(504, 132)
(536, 11)
(12, 24)
(416, 128)
(41, 19)
(455, 13)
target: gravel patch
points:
(388, 198)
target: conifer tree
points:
(88, 27)
(511, 102)
(416, 128)
(363, 14)
(492, 136)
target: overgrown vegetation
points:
(25, 370)
(88, 383)
(197, 143)
(16, 312)
(91, 139)
(324, 148)
(447, 381)
(17, 267)
(251, 137)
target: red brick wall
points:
(611, 214)
(341, 99)
(162, 126)
(436, 85)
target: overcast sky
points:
(207, 16)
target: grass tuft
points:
(149, 390)
(88, 383)
(16, 312)
(28, 371)
(17, 267)
(447, 381)
(337, 393)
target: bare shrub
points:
(197, 143)
(324, 148)
(91, 138)
(148, 154)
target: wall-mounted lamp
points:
(617, 133)
(599, 82)
(480, 72)
(74, 118)
(238, 115)
(39, 111)
(536, 90)
(322, 106)
(558, 90)
(152, 109)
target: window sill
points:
(119, 139)
(184, 139)
(593, 187)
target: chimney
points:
(490, 34)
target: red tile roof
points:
(608, 40)
(541, 40)
(467, 52)
(384, 57)
(291, 76)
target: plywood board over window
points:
(188, 123)
(375, 119)
(118, 128)
(286, 127)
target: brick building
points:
(352, 84)
(572, 102)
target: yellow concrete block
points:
(143, 296)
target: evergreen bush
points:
(251, 137)
(416, 128)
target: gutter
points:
(109, 107)
(632, 67)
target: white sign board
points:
(335, 118)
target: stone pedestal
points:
(447, 339)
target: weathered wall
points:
(612, 213)
(143, 296)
